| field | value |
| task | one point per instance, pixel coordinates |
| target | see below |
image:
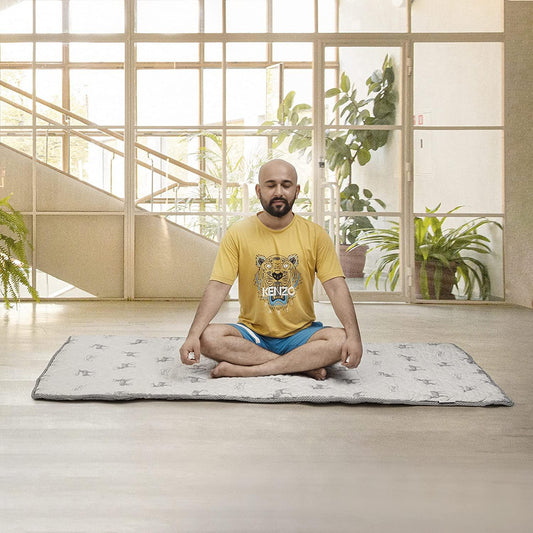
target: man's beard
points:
(277, 211)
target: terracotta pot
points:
(353, 262)
(446, 285)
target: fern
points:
(14, 240)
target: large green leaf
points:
(363, 156)
(345, 82)
(332, 92)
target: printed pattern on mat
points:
(109, 367)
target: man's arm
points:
(341, 300)
(214, 295)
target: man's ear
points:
(258, 191)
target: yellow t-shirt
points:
(276, 270)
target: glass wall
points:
(458, 157)
(119, 119)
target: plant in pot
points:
(352, 200)
(443, 257)
(14, 269)
(344, 148)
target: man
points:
(275, 254)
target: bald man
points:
(276, 255)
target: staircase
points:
(85, 250)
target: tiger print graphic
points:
(277, 279)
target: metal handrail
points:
(95, 142)
(114, 134)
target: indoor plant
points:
(14, 269)
(353, 199)
(442, 256)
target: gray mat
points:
(108, 367)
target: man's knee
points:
(335, 337)
(338, 338)
(210, 339)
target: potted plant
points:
(442, 256)
(353, 264)
(14, 269)
(345, 148)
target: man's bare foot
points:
(224, 369)
(320, 374)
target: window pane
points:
(96, 16)
(88, 161)
(469, 80)
(162, 182)
(246, 152)
(50, 147)
(455, 168)
(457, 15)
(213, 52)
(157, 52)
(294, 16)
(284, 84)
(165, 186)
(378, 180)
(370, 266)
(49, 16)
(248, 16)
(98, 95)
(16, 51)
(49, 52)
(301, 82)
(327, 16)
(96, 52)
(49, 88)
(167, 16)
(212, 16)
(212, 96)
(17, 111)
(18, 138)
(162, 94)
(372, 73)
(292, 52)
(16, 16)
(246, 89)
(246, 52)
(372, 16)
(52, 287)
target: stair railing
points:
(177, 182)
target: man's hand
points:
(351, 354)
(214, 295)
(190, 347)
(341, 300)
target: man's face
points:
(277, 189)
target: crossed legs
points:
(238, 357)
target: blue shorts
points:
(279, 346)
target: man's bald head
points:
(278, 167)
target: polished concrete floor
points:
(231, 467)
